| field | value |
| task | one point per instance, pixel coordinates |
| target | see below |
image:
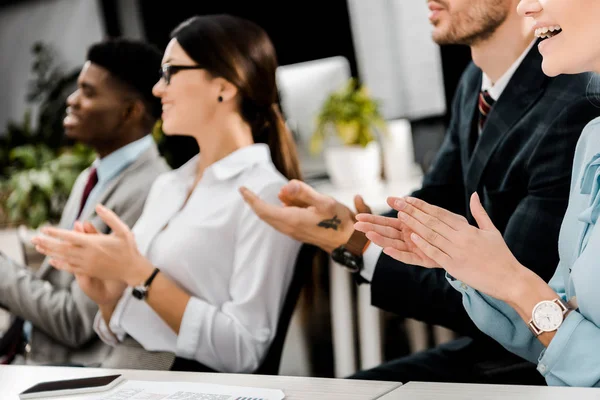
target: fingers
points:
(88, 227)
(380, 220)
(84, 227)
(431, 251)
(454, 221)
(301, 194)
(279, 218)
(430, 221)
(75, 238)
(392, 202)
(113, 221)
(386, 231)
(264, 210)
(384, 242)
(435, 236)
(481, 216)
(63, 266)
(78, 227)
(288, 195)
(360, 206)
(55, 248)
(406, 257)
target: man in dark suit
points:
(512, 139)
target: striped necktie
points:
(486, 102)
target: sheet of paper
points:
(148, 390)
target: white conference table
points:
(14, 379)
(341, 284)
(460, 391)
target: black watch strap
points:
(151, 278)
(350, 255)
(141, 291)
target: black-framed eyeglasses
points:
(168, 70)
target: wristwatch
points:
(350, 255)
(548, 316)
(141, 291)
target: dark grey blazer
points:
(61, 314)
(521, 169)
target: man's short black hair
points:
(134, 63)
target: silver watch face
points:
(548, 316)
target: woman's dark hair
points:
(241, 52)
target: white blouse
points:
(236, 267)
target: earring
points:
(220, 99)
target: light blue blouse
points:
(573, 356)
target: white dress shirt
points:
(373, 252)
(236, 267)
(495, 89)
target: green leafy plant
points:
(38, 164)
(351, 114)
(37, 193)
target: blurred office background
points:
(384, 43)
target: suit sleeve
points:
(65, 314)
(415, 292)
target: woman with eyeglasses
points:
(200, 276)
(557, 324)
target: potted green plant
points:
(348, 128)
(37, 192)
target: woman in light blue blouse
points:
(555, 325)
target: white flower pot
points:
(354, 166)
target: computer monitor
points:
(303, 88)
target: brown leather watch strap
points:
(357, 244)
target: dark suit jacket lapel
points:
(469, 113)
(525, 87)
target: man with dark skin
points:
(113, 111)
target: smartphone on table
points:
(72, 386)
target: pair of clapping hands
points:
(421, 234)
(103, 264)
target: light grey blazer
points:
(61, 314)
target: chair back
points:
(302, 269)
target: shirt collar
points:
(496, 89)
(111, 165)
(233, 164)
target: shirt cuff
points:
(196, 313)
(115, 320)
(554, 352)
(103, 332)
(370, 258)
(456, 284)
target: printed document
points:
(149, 390)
